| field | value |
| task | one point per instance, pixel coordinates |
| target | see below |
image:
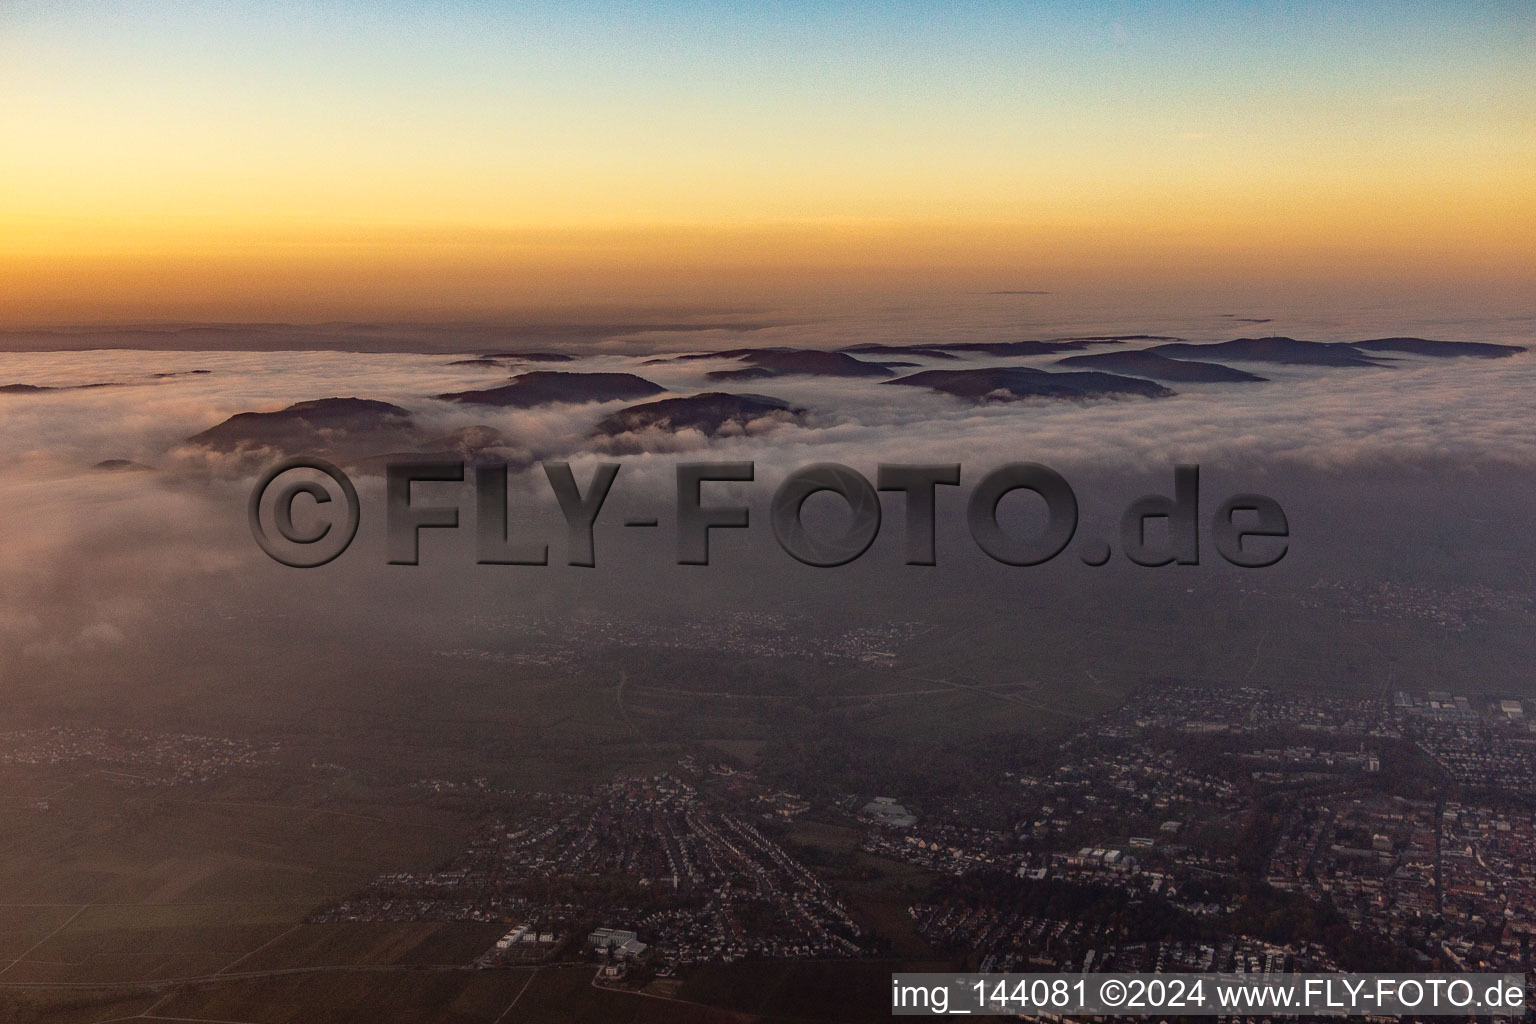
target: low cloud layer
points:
(1417, 410)
(91, 555)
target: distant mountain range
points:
(531, 357)
(1335, 353)
(779, 362)
(1280, 350)
(547, 387)
(925, 351)
(711, 413)
(353, 429)
(1006, 349)
(343, 427)
(745, 373)
(1012, 383)
(1439, 349)
(1146, 363)
(1286, 351)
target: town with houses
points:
(133, 758)
(1193, 828)
(648, 857)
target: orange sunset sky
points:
(301, 161)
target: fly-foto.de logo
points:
(1247, 530)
